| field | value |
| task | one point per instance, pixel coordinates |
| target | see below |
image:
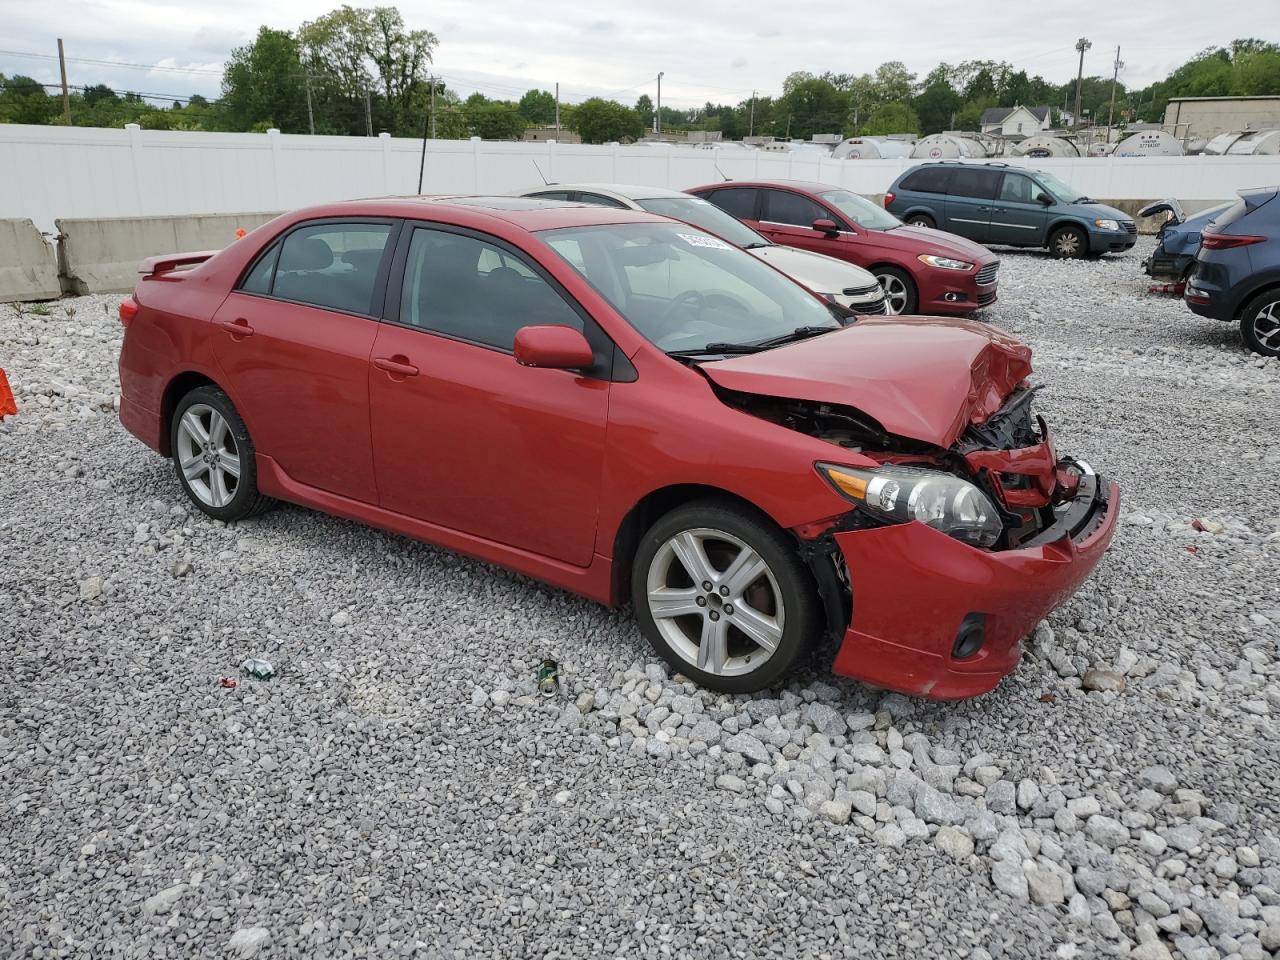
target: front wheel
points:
(1069, 243)
(900, 295)
(1260, 324)
(723, 596)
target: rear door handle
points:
(398, 365)
(239, 327)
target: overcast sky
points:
(716, 50)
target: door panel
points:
(968, 204)
(1017, 217)
(477, 443)
(300, 381)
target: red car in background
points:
(922, 270)
(624, 406)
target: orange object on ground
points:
(8, 406)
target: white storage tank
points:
(947, 146)
(1044, 146)
(1257, 143)
(798, 146)
(870, 148)
(1150, 143)
(1219, 145)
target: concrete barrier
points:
(28, 270)
(102, 256)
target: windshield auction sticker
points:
(700, 240)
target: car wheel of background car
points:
(1260, 324)
(723, 596)
(899, 289)
(1069, 243)
(920, 220)
(214, 456)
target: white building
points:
(1015, 122)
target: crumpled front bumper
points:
(915, 588)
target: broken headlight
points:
(899, 494)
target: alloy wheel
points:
(208, 455)
(1266, 326)
(715, 601)
(1068, 243)
(895, 292)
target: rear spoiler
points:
(154, 266)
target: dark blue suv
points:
(1237, 271)
(997, 203)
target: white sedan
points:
(843, 283)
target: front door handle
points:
(397, 366)
(238, 328)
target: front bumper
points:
(1111, 241)
(915, 588)
(953, 292)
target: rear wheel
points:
(900, 293)
(214, 457)
(1260, 324)
(723, 596)
(920, 220)
(1069, 243)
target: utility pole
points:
(433, 123)
(751, 128)
(657, 123)
(557, 108)
(311, 117)
(368, 111)
(66, 92)
(1082, 45)
(1115, 74)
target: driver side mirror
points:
(1045, 199)
(553, 346)
(826, 227)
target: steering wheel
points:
(684, 299)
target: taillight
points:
(128, 310)
(1225, 241)
(888, 199)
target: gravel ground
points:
(398, 787)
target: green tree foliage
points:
(264, 83)
(644, 110)
(601, 121)
(492, 119)
(538, 107)
(23, 100)
(891, 118)
(810, 105)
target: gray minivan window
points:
(978, 182)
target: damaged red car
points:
(634, 410)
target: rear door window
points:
(333, 265)
(928, 180)
(551, 195)
(975, 182)
(783, 206)
(738, 202)
(601, 200)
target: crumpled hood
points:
(922, 378)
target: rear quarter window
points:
(927, 180)
(738, 202)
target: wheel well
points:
(1248, 297)
(177, 388)
(645, 513)
(919, 212)
(1059, 224)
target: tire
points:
(1069, 243)
(900, 293)
(921, 220)
(1260, 323)
(208, 436)
(702, 632)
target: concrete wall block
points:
(28, 269)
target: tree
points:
(99, 93)
(935, 106)
(891, 118)
(264, 82)
(23, 100)
(492, 119)
(644, 110)
(600, 121)
(538, 107)
(811, 105)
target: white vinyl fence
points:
(74, 172)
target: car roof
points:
(623, 191)
(527, 213)
(807, 186)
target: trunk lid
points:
(922, 378)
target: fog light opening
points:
(970, 637)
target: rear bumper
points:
(914, 588)
(146, 425)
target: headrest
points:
(311, 253)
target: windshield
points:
(701, 213)
(861, 210)
(683, 289)
(1063, 191)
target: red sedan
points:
(921, 270)
(629, 408)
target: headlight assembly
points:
(900, 494)
(944, 263)
(1107, 224)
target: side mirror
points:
(825, 226)
(553, 346)
(1045, 199)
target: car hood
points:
(1098, 211)
(922, 378)
(918, 240)
(819, 273)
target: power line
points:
(113, 63)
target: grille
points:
(1131, 228)
(860, 291)
(871, 306)
(988, 273)
(985, 298)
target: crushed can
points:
(257, 669)
(548, 678)
(229, 683)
